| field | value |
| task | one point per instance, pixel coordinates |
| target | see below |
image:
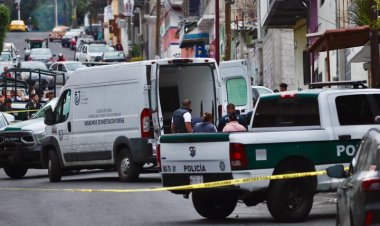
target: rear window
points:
(284, 112)
(357, 109)
(237, 91)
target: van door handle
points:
(345, 137)
(69, 126)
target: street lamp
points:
(18, 7)
(56, 13)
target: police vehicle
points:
(290, 132)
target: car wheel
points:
(214, 204)
(127, 169)
(54, 168)
(290, 200)
(15, 172)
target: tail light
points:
(220, 112)
(238, 156)
(288, 95)
(371, 184)
(29, 58)
(158, 155)
(368, 218)
(145, 123)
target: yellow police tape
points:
(20, 111)
(215, 184)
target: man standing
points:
(181, 120)
(33, 104)
(283, 87)
(225, 119)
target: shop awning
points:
(340, 39)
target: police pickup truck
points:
(289, 132)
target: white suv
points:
(88, 52)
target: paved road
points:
(18, 38)
(154, 208)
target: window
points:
(354, 110)
(62, 109)
(283, 112)
(237, 91)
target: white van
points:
(111, 116)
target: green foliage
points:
(360, 13)
(136, 50)
(5, 16)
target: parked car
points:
(359, 194)
(34, 77)
(67, 67)
(112, 56)
(89, 52)
(58, 32)
(17, 25)
(34, 43)
(257, 91)
(42, 54)
(66, 39)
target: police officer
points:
(225, 119)
(181, 120)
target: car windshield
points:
(41, 113)
(36, 45)
(74, 66)
(98, 49)
(33, 65)
(40, 52)
(5, 56)
(114, 55)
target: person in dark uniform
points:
(206, 125)
(181, 120)
(225, 119)
(34, 104)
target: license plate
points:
(198, 179)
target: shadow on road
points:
(314, 219)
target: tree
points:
(5, 16)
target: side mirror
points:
(336, 171)
(49, 117)
(377, 119)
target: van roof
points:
(78, 76)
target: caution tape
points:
(19, 111)
(214, 184)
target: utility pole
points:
(227, 50)
(158, 18)
(217, 38)
(56, 12)
(18, 7)
(74, 13)
(374, 42)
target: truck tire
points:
(290, 200)
(215, 204)
(15, 172)
(54, 169)
(127, 169)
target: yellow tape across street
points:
(184, 187)
(19, 111)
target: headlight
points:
(40, 137)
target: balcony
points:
(285, 13)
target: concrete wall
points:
(278, 58)
(300, 42)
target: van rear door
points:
(154, 103)
(236, 87)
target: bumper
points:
(169, 180)
(29, 157)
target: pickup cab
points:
(289, 132)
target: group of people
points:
(182, 121)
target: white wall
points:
(300, 42)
